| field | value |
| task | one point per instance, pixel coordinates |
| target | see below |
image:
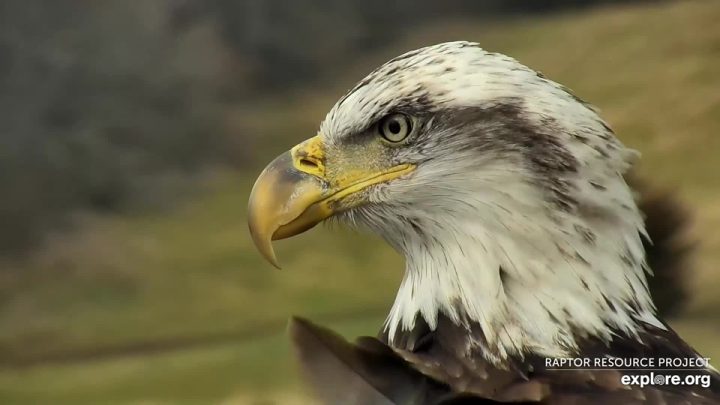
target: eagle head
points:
(504, 192)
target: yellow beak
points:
(293, 194)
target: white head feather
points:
(518, 218)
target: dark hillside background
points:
(104, 102)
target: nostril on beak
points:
(310, 164)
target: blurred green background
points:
(131, 133)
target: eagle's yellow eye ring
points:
(395, 127)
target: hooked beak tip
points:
(281, 203)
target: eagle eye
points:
(395, 127)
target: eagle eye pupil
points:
(394, 127)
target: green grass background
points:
(179, 308)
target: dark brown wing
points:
(439, 370)
(368, 372)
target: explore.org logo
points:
(642, 380)
(642, 371)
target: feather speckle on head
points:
(518, 219)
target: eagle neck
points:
(529, 290)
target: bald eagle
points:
(523, 242)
